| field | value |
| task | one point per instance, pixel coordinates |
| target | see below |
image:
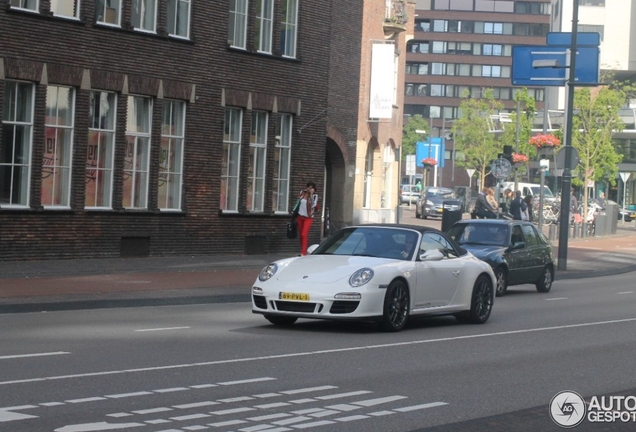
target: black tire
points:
(481, 302)
(281, 320)
(544, 284)
(397, 302)
(417, 213)
(502, 281)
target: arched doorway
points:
(337, 201)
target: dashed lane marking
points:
(16, 356)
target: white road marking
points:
(325, 413)
(158, 421)
(255, 428)
(269, 417)
(15, 356)
(556, 298)
(202, 386)
(93, 427)
(272, 405)
(227, 423)
(232, 411)
(125, 395)
(378, 401)
(381, 413)
(236, 399)
(343, 407)
(320, 352)
(302, 401)
(152, 411)
(626, 292)
(119, 415)
(314, 424)
(51, 404)
(266, 395)
(246, 381)
(90, 399)
(6, 415)
(190, 417)
(342, 395)
(309, 389)
(352, 418)
(195, 405)
(419, 407)
(307, 411)
(171, 390)
(291, 420)
(196, 427)
(162, 329)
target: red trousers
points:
(304, 223)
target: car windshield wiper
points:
(363, 254)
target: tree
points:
(472, 134)
(410, 137)
(527, 111)
(595, 120)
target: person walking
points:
(529, 200)
(308, 203)
(517, 206)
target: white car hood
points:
(326, 269)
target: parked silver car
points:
(409, 193)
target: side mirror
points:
(432, 255)
(312, 248)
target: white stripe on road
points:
(33, 355)
(378, 401)
(626, 292)
(312, 353)
(419, 407)
(556, 298)
(162, 329)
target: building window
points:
(282, 158)
(17, 139)
(492, 49)
(31, 5)
(493, 28)
(237, 28)
(417, 68)
(137, 156)
(592, 29)
(108, 12)
(264, 20)
(256, 169)
(231, 159)
(592, 3)
(144, 15)
(289, 28)
(58, 147)
(171, 156)
(179, 18)
(101, 150)
(65, 8)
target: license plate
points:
(293, 296)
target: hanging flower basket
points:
(544, 141)
(429, 162)
(519, 158)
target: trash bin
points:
(611, 209)
(449, 217)
(603, 224)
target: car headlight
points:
(267, 272)
(429, 203)
(361, 277)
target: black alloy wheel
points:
(502, 281)
(396, 307)
(544, 284)
(481, 302)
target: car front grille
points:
(260, 302)
(343, 307)
(288, 306)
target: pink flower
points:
(519, 158)
(547, 140)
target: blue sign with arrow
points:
(546, 66)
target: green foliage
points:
(472, 134)
(410, 137)
(527, 109)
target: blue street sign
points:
(437, 151)
(525, 74)
(583, 39)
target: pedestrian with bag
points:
(307, 204)
(518, 206)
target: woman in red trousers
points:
(308, 202)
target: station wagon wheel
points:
(395, 312)
(481, 302)
(544, 284)
(502, 281)
(281, 320)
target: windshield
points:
(480, 234)
(376, 242)
(440, 193)
(547, 193)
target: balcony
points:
(395, 18)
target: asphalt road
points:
(219, 367)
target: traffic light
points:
(507, 153)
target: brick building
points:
(169, 126)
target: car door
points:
(535, 253)
(517, 257)
(437, 281)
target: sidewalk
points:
(109, 282)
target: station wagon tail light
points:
(267, 272)
(361, 277)
(348, 296)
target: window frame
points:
(264, 32)
(257, 162)
(108, 168)
(173, 27)
(105, 4)
(35, 8)
(136, 169)
(173, 174)
(25, 189)
(237, 25)
(231, 160)
(289, 27)
(142, 16)
(64, 168)
(60, 6)
(282, 176)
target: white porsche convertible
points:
(383, 273)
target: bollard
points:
(574, 229)
(584, 229)
(581, 229)
(552, 232)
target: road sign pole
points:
(566, 183)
